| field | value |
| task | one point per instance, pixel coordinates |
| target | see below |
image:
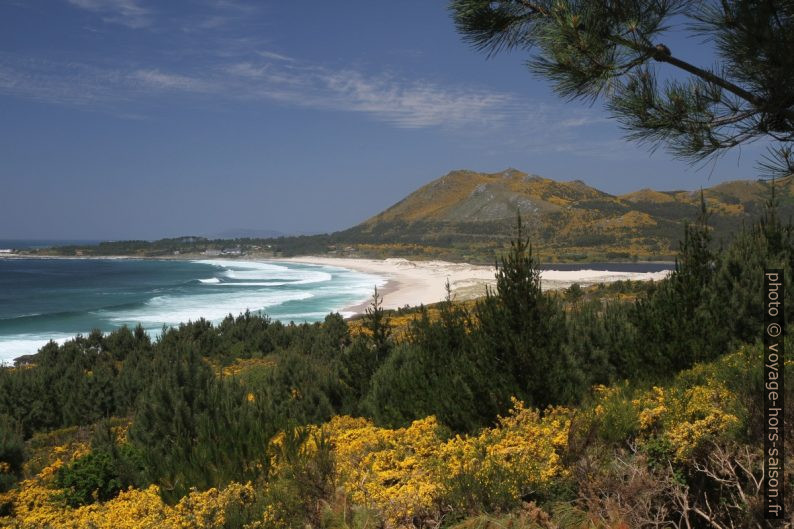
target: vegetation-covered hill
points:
(469, 216)
(566, 220)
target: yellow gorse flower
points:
(404, 474)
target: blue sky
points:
(145, 119)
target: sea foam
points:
(24, 344)
(286, 292)
(172, 310)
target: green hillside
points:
(474, 212)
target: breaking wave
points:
(158, 293)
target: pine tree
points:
(521, 330)
(300, 389)
(379, 326)
(101, 390)
(616, 50)
(675, 327)
(436, 372)
(165, 424)
(12, 453)
(739, 273)
(588, 342)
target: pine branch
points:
(594, 49)
(662, 53)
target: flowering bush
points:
(518, 458)
(349, 472)
(696, 408)
(416, 473)
(37, 503)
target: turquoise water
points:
(54, 299)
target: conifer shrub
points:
(302, 477)
(615, 416)
(12, 452)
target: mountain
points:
(474, 213)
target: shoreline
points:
(411, 283)
(414, 283)
(260, 257)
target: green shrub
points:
(100, 475)
(618, 419)
(302, 480)
(12, 452)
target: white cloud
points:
(246, 69)
(471, 111)
(414, 104)
(126, 12)
(401, 102)
(158, 80)
(221, 16)
(76, 84)
(584, 120)
(275, 56)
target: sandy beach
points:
(423, 282)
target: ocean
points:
(55, 299)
